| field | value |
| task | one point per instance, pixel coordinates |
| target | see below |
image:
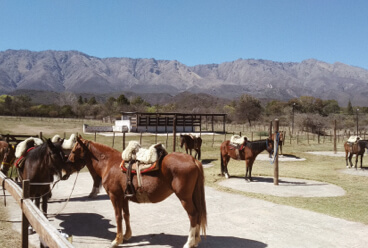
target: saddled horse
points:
(39, 167)
(247, 151)
(7, 156)
(178, 173)
(357, 148)
(190, 142)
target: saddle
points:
(20, 161)
(237, 143)
(137, 160)
(353, 139)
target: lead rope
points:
(66, 202)
(277, 148)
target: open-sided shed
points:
(165, 122)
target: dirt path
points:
(233, 221)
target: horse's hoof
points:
(227, 176)
(118, 240)
(127, 236)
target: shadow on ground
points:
(175, 240)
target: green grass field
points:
(351, 206)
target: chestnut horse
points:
(179, 173)
(248, 151)
(190, 142)
(357, 148)
(7, 156)
(40, 166)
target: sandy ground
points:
(233, 220)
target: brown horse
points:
(190, 142)
(357, 148)
(281, 139)
(7, 156)
(248, 151)
(40, 165)
(179, 173)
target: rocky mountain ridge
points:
(73, 71)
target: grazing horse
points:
(178, 173)
(191, 142)
(40, 165)
(248, 151)
(7, 156)
(357, 148)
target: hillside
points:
(73, 71)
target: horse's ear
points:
(79, 140)
(51, 145)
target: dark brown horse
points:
(190, 142)
(357, 148)
(7, 156)
(247, 151)
(179, 173)
(40, 166)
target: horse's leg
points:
(96, 183)
(188, 205)
(126, 215)
(361, 160)
(45, 199)
(346, 159)
(350, 158)
(117, 204)
(226, 162)
(356, 160)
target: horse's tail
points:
(199, 199)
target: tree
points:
(248, 109)
(122, 100)
(80, 100)
(92, 101)
(349, 109)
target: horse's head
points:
(57, 155)
(269, 142)
(77, 158)
(8, 159)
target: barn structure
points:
(164, 122)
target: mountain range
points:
(73, 71)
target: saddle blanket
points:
(143, 168)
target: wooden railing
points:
(30, 213)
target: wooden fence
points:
(32, 215)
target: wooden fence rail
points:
(35, 217)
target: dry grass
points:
(351, 206)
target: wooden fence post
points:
(174, 133)
(335, 146)
(123, 141)
(25, 222)
(276, 159)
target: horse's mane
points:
(100, 145)
(256, 145)
(38, 155)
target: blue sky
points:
(192, 31)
